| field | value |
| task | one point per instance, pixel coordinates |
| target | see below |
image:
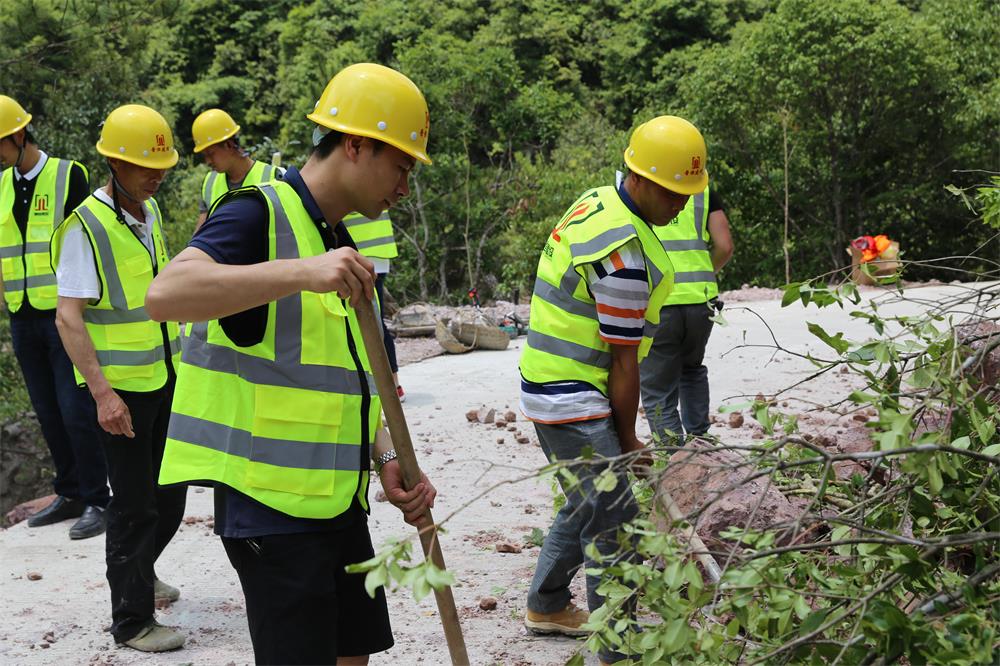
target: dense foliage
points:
(532, 101)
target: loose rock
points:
(507, 547)
(500, 440)
(523, 440)
(488, 603)
(34, 575)
(500, 423)
(510, 416)
(486, 414)
(736, 420)
(860, 418)
(472, 415)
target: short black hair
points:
(28, 137)
(332, 139)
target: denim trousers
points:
(586, 517)
(65, 411)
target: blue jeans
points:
(66, 412)
(587, 517)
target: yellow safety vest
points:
(374, 238)
(215, 185)
(564, 343)
(25, 260)
(132, 349)
(287, 421)
(686, 241)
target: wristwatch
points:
(384, 458)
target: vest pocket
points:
(294, 440)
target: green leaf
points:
(962, 443)
(606, 482)
(992, 450)
(675, 635)
(375, 579)
(439, 578)
(837, 342)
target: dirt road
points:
(54, 601)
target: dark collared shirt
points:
(236, 233)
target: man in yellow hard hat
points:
(37, 192)
(275, 403)
(106, 254)
(215, 137)
(674, 375)
(602, 278)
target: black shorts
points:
(302, 607)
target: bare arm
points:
(193, 287)
(722, 240)
(202, 216)
(112, 413)
(623, 394)
(414, 503)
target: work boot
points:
(154, 637)
(62, 508)
(567, 621)
(91, 523)
(163, 593)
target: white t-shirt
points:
(76, 273)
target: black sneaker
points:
(61, 509)
(91, 523)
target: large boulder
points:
(713, 484)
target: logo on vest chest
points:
(40, 205)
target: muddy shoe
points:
(156, 638)
(567, 621)
(163, 593)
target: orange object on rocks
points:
(878, 249)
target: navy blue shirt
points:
(236, 233)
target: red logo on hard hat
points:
(427, 123)
(695, 166)
(160, 140)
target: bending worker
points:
(374, 239)
(37, 192)
(602, 278)
(214, 133)
(106, 254)
(275, 405)
(699, 244)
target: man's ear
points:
(352, 146)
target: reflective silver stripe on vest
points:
(268, 170)
(563, 299)
(570, 350)
(361, 219)
(699, 213)
(44, 280)
(278, 452)
(209, 188)
(679, 245)
(106, 317)
(62, 173)
(36, 247)
(132, 357)
(14, 285)
(693, 276)
(116, 294)
(10, 251)
(373, 242)
(287, 369)
(602, 240)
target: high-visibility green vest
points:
(132, 349)
(287, 421)
(25, 260)
(215, 185)
(564, 342)
(686, 241)
(374, 238)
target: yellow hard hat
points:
(12, 116)
(138, 134)
(671, 152)
(378, 102)
(211, 127)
